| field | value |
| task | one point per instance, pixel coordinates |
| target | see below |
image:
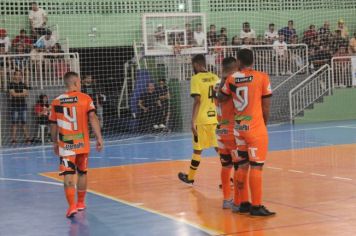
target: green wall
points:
(340, 106)
(118, 22)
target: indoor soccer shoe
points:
(184, 178)
(227, 204)
(245, 207)
(81, 206)
(71, 211)
(260, 211)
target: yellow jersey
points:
(202, 84)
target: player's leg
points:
(22, 120)
(14, 115)
(241, 190)
(67, 169)
(82, 166)
(198, 144)
(257, 150)
(226, 167)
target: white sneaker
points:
(162, 126)
(155, 126)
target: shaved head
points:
(72, 81)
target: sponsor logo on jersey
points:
(73, 137)
(211, 113)
(73, 146)
(222, 132)
(241, 118)
(243, 127)
(206, 80)
(224, 122)
(243, 79)
(68, 100)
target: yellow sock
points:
(194, 166)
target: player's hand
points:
(194, 129)
(99, 144)
(56, 148)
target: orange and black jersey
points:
(70, 112)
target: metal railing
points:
(310, 90)
(341, 71)
(38, 70)
(291, 77)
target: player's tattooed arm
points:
(221, 96)
(266, 103)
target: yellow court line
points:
(205, 229)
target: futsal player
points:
(225, 133)
(204, 121)
(251, 93)
(69, 117)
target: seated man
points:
(150, 109)
(271, 34)
(4, 39)
(47, 41)
(22, 39)
(199, 36)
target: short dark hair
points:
(162, 80)
(246, 24)
(67, 76)
(272, 24)
(199, 59)
(198, 24)
(245, 56)
(22, 31)
(33, 3)
(228, 63)
(212, 25)
(291, 21)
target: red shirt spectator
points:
(310, 34)
(22, 38)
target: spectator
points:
(189, 34)
(2, 64)
(150, 106)
(342, 52)
(338, 41)
(4, 39)
(271, 34)
(223, 34)
(247, 33)
(38, 20)
(18, 107)
(21, 62)
(294, 39)
(321, 57)
(281, 49)
(199, 36)
(88, 87)
(160, 35)
(352, 45)
(22, 39)
(57, 48)
(310, 35)
(342, 27)
(47, 41)
(235, 41)
(42, 110)
(212, 36)
(324, 31)
(164, 98)
(288, 31)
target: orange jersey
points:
(247, 88)
(226, 117)
(70, 112)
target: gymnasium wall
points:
(118, 22)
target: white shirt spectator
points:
(199, 38)
(6, 42)
(271, 35)
(44, 43)
(280, 47)
(37, 18)
(251, 34)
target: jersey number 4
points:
(241, 100)
(72, 119)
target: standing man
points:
(18, 106)
(251, 92)
(38, 20)
(204, 119)
(69, 117)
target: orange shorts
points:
(226, 144)
(73, 164)
(256, 146)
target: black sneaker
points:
(184, 178)
(245, 207)
(260, 211)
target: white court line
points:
(273, 168)
(44, 148)
(317, 174)
(32, 181)
(296, 171)
(139, 158)
(341, 178)
(163, 159)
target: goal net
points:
(134, 58)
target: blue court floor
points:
(31, 204)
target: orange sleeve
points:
(52, 115)
(266, 86)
